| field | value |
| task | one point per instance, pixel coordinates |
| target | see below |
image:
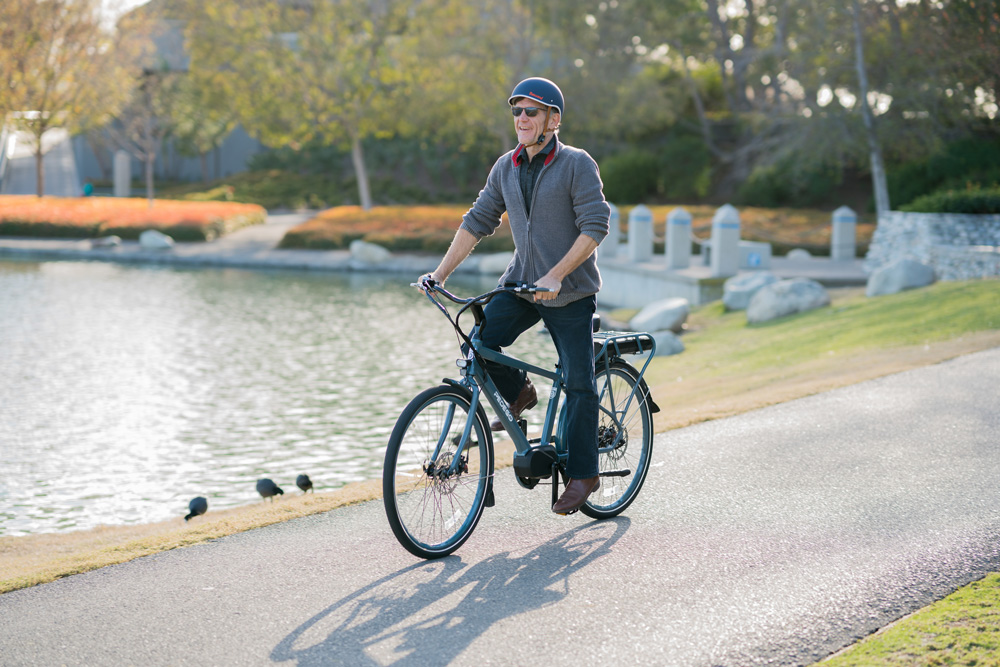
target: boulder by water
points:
(786, 297)
(901, 275)
(154, 240)
(369, 253)
(665, 315)
(738, 290)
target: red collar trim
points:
(517, 154)
(517, 157)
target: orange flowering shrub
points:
(399, 228)
(87, 217)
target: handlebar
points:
(475, 303)
(513, 287)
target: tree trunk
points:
(879, 183)
(150, 159)
(39, 167)
(360, 171)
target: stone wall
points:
(956, 246)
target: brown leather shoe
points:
(526, 400)
(576, 494)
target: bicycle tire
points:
(433, 513)
(633, 452)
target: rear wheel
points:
(625, 439)
(433, 494)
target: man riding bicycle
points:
(552, 194)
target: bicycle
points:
(439, 461)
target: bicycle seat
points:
(596, 322)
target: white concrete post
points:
(123, 174)
(843, 242)
(640, 234)
(678, 239)
(609, 246)
(725, 242)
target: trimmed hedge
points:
(90, 217)
(976, 201)
(399, 228)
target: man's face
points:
(528, 128)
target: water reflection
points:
(128, 390)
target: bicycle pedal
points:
(523, 425)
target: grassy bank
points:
(728, 368)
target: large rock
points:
(786, 297)
(738, 290)
(667, 343)
(368, 253)
(154, 240)
(112, 241)
(665, 315)
(901, 275)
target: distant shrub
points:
(787, 184)
(630, 177)
(398, 228)
(685, 169)
(977, 201)
(960, 163)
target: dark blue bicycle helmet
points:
(540, 90)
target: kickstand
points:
(555, 483)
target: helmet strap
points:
(545, 126)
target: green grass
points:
(938, 312)
(961, 629)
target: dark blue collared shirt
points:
(528, 170)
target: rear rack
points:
(620, 343)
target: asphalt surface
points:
(772, 538)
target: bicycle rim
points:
(625, 441)
(431, 506)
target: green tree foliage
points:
(342, 71)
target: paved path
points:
(775, 537)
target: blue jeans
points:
(507, 317)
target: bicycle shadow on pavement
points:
(429, 612)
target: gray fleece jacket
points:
(568, 201)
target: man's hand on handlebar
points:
(426, 282)
(548, 288)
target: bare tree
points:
(68, 70)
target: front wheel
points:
(434, 494)
(625, 439)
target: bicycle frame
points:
(478, 382)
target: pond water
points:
(127, 390)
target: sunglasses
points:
(531, 112)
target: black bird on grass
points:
(198, 506)
(304, 483)
(268, 489)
